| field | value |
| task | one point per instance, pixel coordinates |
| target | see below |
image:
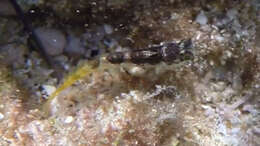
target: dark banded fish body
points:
(165, 52)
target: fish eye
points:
(116, 57)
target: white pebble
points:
(218, 86)
(69, 119)
(1, 116)
(48, 89)
(174, 16)
(202, 18)
(219, 38)
(134, 70)
(108, 29)
(137, 71)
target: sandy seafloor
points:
(212, 99)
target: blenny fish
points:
(167, 52)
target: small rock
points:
(218, 86)
(134, 70)
(250, 108)
(74, 47)
(1, 116)
(228, 92)
(232, 14)
(53, 40)
(48, 89)
(108, 29)
(202, 18)
(174, 16)
(219, 38)
(138, 71)
(256, 130)
(69, 119)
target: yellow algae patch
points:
(83, 70)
